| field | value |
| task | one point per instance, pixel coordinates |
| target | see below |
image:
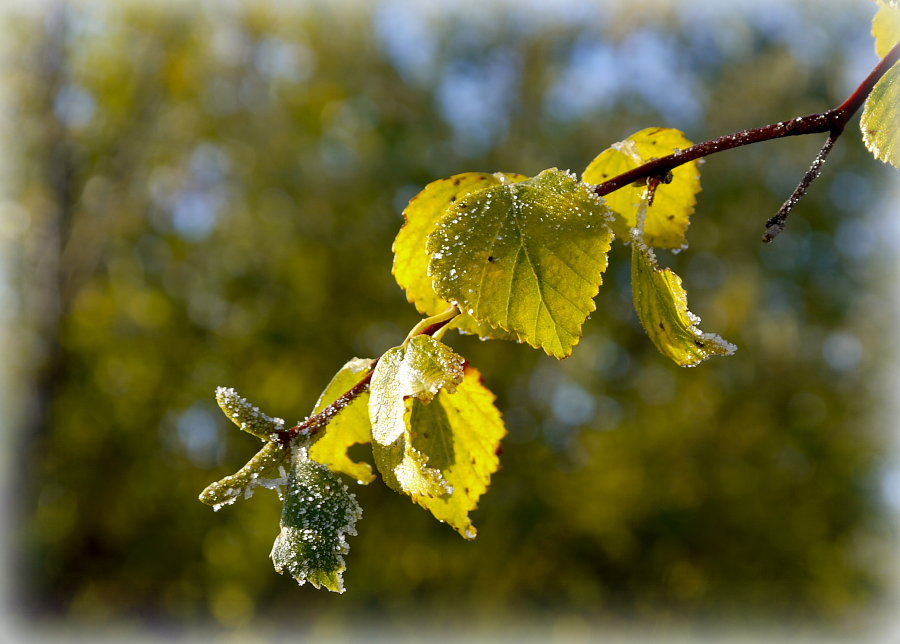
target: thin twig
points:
(775, 225)
(832, 121)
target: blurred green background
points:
(207, 196)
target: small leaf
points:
(526, 257)
(410, 257)
(886, 27)
(661, 305)
(673, 203)
(418, 370)
(319, 511)
(880, 122)
(350, 427)
(247, 416)
(460, 433)
(266, 470)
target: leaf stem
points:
(316, 422)
(437, 321)
(833, 121)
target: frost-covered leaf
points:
(526, 257)
(410, 257)
(880, 122)
(460, 434)
(669, 216)
(348, 428)
(418, 370)
(318, 513)
(266, 469)
(886, 27)
(661, 305)
(246, 415)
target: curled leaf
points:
(661, 304)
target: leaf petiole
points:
(430, 326)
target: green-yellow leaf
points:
(526, 257)
(880, 122)
(886, 27)
(421, 215)
(246, 415)
(669, 216)
(661, 305)
(319, 512)
(881, 113)
(410, 258)
(460, 434)
(350, 427)
(417, 370)
(266, 470)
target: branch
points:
(316, 422)
(832, 121)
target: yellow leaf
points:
(460, 433)
(880, 122)
(661, 304)
(669, 216)
(410, 257)
(350, 427)
(886, 28)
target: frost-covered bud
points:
(266, 469)
(247, 416)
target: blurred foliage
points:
(211, 196)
